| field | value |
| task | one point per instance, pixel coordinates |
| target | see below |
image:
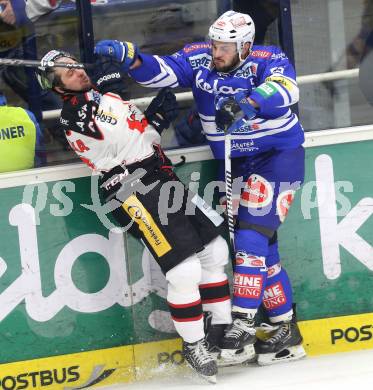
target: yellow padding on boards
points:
(338, 334)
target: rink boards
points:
(80, 306)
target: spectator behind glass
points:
(362, 43)
(20, 138)
(17, 40)
(20, 12)
(263, 13)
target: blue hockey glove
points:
(188, 130)
(107, 75)
(226, 112)
(162, 110)
(124, 52)
(249, 111)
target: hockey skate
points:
(200, 360)
(285, 344)
(238, 343)
(214, 335)
(214, 338)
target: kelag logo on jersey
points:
(200, 60)
(215, 88)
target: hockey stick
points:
(219, 103)
(37, 63)
(228, 182)
(229, 104)
(228, 174)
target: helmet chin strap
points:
(239, 50)
(241, 60)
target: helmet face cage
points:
(45, 78)
(46, 74)
(233, 27)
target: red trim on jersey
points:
(184, 304)
(187, 319)
(208, 285)
(88, 162)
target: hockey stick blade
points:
(37, 63)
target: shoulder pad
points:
(78, 114)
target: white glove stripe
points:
(123, 51)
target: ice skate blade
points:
(208, 378)
(286, 355)
(231, 357)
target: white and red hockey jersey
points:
(106, 131)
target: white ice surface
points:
(352, 371)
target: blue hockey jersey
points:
(266, 75)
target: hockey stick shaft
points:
(37, 63)
(228, 184)
(228, 176)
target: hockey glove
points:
(162, 110)
(124, 52)
(242, 99)
(189, 131)
(165, 164)
(107, 76)
(226, 112)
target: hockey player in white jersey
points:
(266, 150)
(112, 136)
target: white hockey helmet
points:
(233, 26)
(46, 74)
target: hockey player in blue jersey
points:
(266, 151)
